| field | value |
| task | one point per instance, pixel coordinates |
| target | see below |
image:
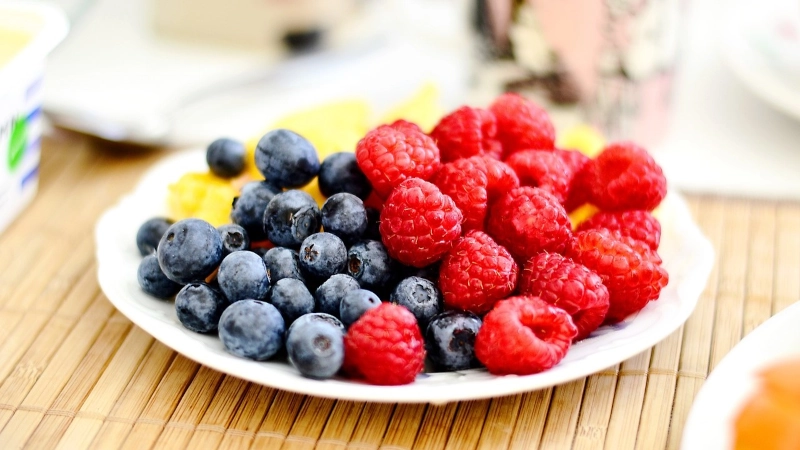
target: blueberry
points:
(340, 173)
(373, 222)
(322, 255)
(199, 307)
(225, 157)
(153, 281)
(450, 340)
(189, 251)
(252, 329)
(420, 296)
(248, 208)
(292, 298)
(355, 303)
(243, 275)
(317, 317)
(286, 159)
(290, 217)
(369, 263)
(329, 294)
(150, 234)
(282, 263)
(344, 215)
(234, 238)
(315, 348)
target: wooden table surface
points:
(75, 373)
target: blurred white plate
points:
(687, 254)
(710, 422)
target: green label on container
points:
(17, 142)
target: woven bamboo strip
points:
(109, 387)
(531, 419)
(83, 379)
(248, 417)
(37, 391)
(598, 399)
(217, 418)
(628, 399)
(278, 421)
(760, 266)
(402, 430)
(732, 274)
(371, 427)
(161, 404)
(435, 427)
(562, 417)
(340, 425)
(309, 423)
(787, 257)
(468, 425)
(79, 260)
(23, 259)
(698, 328)
(499, 423)
(21, 292)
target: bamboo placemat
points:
(75, 373)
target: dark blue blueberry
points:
(340, 173)
(329, 294)
(234, 238)
(226, 157)
(252, 329)
(355, 303)
(190, 250)
(286, 159)
(373, 222)
(243, 275)
(199, 307)
(345, 216)
(317, 317)
(248, 208)
(322, 255)
(282, 263)
(315, 348)
(290, 217)
(292, 298)
(420, 296)
(450, 340)
(150, 233)
(153, 281)
(369, 263)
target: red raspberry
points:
(624, 176)
(529, 220)
(568, 285)
(465, 132)
(390, 154)
(637, 224)
(500, 176)
(631, 278)
(418, 223)
(476, 273)
(579, 192)
(574, 159)
(523, 335)
(406, 126)
(522, 124)
(384, 346)
(544, 169)
(465, 182)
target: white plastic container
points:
(28, 32)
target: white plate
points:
(710, 422)
(687, 254)
(763, 57)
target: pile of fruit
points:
(453, 246)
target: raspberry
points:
(500, 176)
(476, 273)
(384, 346)
(631, 278)
(624, 176)
(529, 220)
(522, 124)
(544, 169)
(523, 335)
(574, 159)
(578, 192)
(465, 182)
(465, 132)
(390, 154)
(637, 224)
(419, 223)
(568, 285)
